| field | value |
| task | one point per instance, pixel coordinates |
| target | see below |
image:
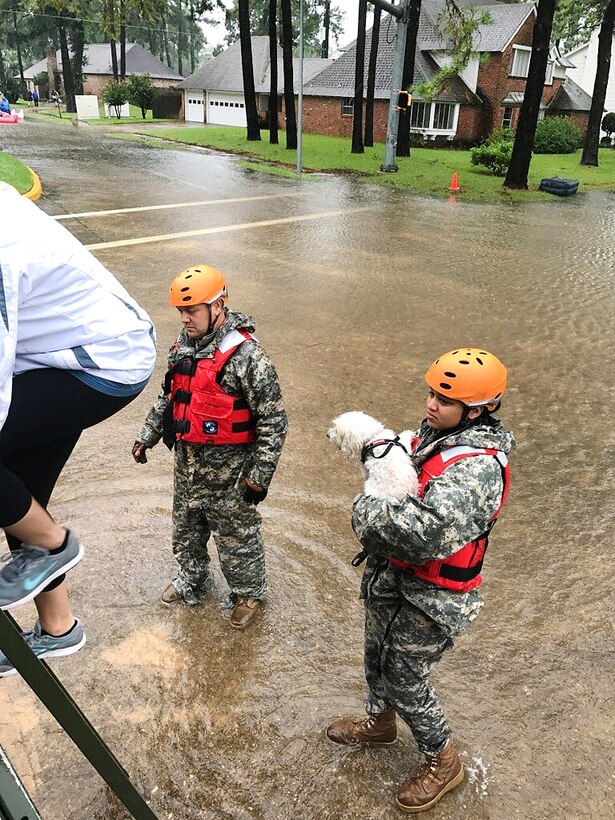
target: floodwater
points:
(353, 306)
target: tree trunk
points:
(605, 43)
(114, 66)
(2, 71)
(247, 70)
(359, 71)
(67, 72)
(519, 166)
(191, 43)
(403, 128)
(289, 91)
(165, 39)
(327, 25)
(77, 38)
(180, 20)
(122, 51)
(18, 49)
(273, 73)
(368, 139)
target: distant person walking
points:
(35, 98)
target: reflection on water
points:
(217, 724)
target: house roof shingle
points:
(97, 60)
(506, 19)
(224, 73)
(570, 97)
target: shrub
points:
(605, 142)
(166, 103)
(501, 135)
(11, 89)
(557, 135)
(417, 140)
(608, 123)
(141, 92)
(495, 156)
(116, 95)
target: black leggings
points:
(49, 410)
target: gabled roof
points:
(224, 73)
(570, 97)
(506, 20)
(338, 79)
(97, 60)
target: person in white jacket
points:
(74, 349)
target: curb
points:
(36, 191)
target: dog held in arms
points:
(385, 461)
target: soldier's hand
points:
(253, 494)
(138, 452)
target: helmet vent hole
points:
(445, 386)
(483, 352)
(198, 270)
(455, 352)
(463, 361)
(450, 375)
(188, 276)
(498, 395)
(480, 361)
(183, 290)
(187, 299)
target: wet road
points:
(352, 305)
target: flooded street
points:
(355, 290)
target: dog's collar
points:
(368, 450)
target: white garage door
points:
(195, 106)
(226, 108)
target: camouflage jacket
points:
(248, 373)
(456, 509)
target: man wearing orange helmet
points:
(221, 410)
(424, 559)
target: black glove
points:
(255, 497)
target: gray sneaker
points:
(46, 646)
(29, 569)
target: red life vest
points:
(202, 412)
(460, 571)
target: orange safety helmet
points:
(198, 285)
(469, 375)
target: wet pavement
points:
(352, 307)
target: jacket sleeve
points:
(151, 432)
(455, 510)
(8, 335)
(261, 389)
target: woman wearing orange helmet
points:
(221, 410)
(424, 560)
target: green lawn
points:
(15, 172)
(427, 171)
(52, 115)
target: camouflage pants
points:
(207, 501)
(402, 646)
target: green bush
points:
(608, 123)
(115, 95)
(141, 92)
(501, 135)
(495, 156)
(11, 89)
(557, 135)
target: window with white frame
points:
(420, 115)
(507, 117)
(347, 106)
(444, 114)
(549, 74)
(520, 61)
(438, 116)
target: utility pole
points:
(401, 14)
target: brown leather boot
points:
(379, 730)
(244, 613)
(438, 775)
(171, 596)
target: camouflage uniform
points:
(209, 480)
(409, 622)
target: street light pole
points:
(389, 165)
(300, 95)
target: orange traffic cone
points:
(454, 186)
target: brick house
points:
(97, 71)
(485, 96)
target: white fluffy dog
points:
(385, 463)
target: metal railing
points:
(15, 803)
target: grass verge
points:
(427, 171)
(15, 173)
(62, 117)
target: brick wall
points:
(95, 83)
(323, 115)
